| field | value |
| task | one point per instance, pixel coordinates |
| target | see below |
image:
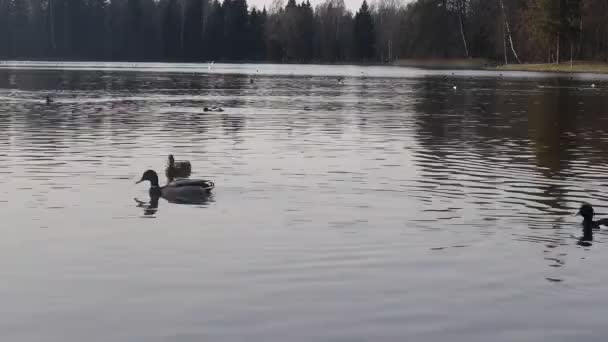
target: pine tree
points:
(364, 33)
(213, 37)
(171, 31)
(193, 25)
(257, 45)
(236, 30)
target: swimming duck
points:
(213, 109)
(587, 212)
(49, 100)
(178, 191)
(178, 169)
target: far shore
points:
(446, 63)
(483, 64)
(575, 67)
(432, 63)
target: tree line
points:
(508, 31)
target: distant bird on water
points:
(49, 100)
(213, 109)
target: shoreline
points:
(599, 68)
(566, 68)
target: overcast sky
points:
(353, 5)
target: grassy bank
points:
(586, 67)
(464, 63)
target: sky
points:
(352, 5)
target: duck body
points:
(213, 109)
(587, 212)
(177, 169)
(178, 191)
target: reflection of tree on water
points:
(483, 133)
(552, 127)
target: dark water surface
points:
(391, 207)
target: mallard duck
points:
(178, 191)
(178, 169)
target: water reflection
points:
(488, 136)
(322, 185)
(151, 207)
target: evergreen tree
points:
(214, 34)
(307, 29)
(236, 30)
(364, 33)
(257, 43)
(96, 45)
(134, 30)
(171, 31)
(193, 26)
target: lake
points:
(351, 204)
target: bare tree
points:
(506, 21)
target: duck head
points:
(171, 160)
(150, 176)
(586, 211)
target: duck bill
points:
(139, 181)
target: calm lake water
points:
(391, 207)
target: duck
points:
(178, 191)
(49, 100)
(213, 109)
(178, 169)
(587, 212)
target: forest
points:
(382, 31)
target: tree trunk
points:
(579, 51)
(557, 53)
(52, 26)
(182, 28)
(571, 53)
(504, 15)
(464, 38)
(504, 44)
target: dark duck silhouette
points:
(49, 100)
(587, 212)
(177, 169)
(178, 191)
(213, 109)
